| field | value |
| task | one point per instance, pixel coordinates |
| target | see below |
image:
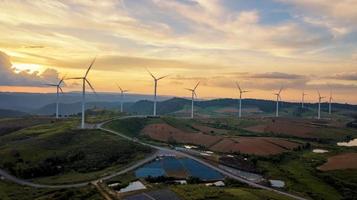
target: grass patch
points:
(300, 175)
(201, 192)
(58, 153)
(129, 126)
(10, 191)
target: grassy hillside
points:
(199, 192)
(10, 191)
(11, 113)
(58, 153)
(301, 176)
(9, 125)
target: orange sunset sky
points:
(298, 44)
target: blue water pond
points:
(191, 167)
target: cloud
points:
(269, 80)
(34, 47)
(351, 76)
(338, 16)
(8, 76)
(277, 75)
(344, 10)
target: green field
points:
(10, 191)
(201, 192)
(299, 172)
(58, 153)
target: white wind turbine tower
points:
(155, 88)
(278, 97)
(193, 91)
(85, 80)
(59, 89)
(240, 99)
(319, 105)
(303, 99)
(329, 103)
(122, 92)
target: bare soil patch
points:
(341, 161)
(297, 128)
(166, 133)
(227, 110)
(254, 145)
(247, 145)
(209, 130)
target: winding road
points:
(160, 150)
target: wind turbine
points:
(155, 88)
(85, 80)
(319, 105)
(278, 97)
(303, 99)
(121, 97)
(193, 91)
(329, 103)
(59, 89)
(240, 99)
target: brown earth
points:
(341, 161)
(254, 145)
(247, 145)
(298, 128)
(166, 133)
(209, 130)
(227, 110)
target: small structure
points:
(319, 151)
(113, 185)
(133, 186)
(277, 183)
(216, 184)
(181, 182)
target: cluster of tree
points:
(346, 187)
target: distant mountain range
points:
(11, 113)
(19, 104)
(173, 105)
(27, 102)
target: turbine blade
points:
(90, 66)
(238, 86)
(90, 85)
(281, 89)
(61, 81)
(196, 85)
(318, 92)
(119, 87)
(189, 89)
(74, 78)
(60, 89)
(162, 77)
(150, 74)
(49, 84)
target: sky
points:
(300, 45)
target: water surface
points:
(161, 167)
